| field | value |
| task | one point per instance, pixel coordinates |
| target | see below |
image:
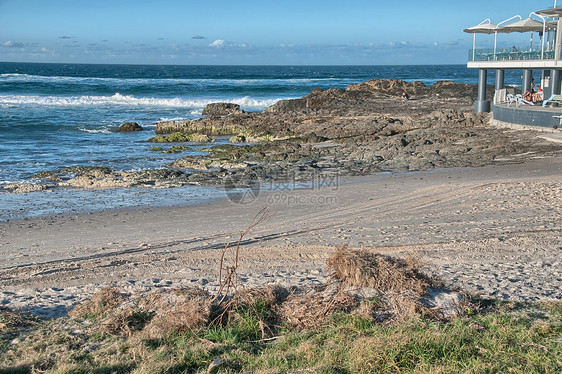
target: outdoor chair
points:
(500, 96)
(520, 100)
(510, 98)
(554, 99)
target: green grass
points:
(517, 338)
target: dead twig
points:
(227, 294)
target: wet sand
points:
(495, 231)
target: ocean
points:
(58, 115)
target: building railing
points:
(512, 54)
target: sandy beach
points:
(493, 231)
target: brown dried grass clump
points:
(102, 304)
(124, 322)
(178, 311)
(10, 320)
(314, 310)
(354, 268)
(157, 313)
(270, 295)
(398, 284)
(160, 313)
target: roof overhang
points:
(516, 64)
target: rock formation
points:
(129, 127)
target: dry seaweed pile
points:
(373, 286)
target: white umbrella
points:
(481, 28)
(487, 28)
(526, 25)
(550, 13)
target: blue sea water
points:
(58, 115)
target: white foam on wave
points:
(247, 102)
(165, 119)
(14, 77)
(95, 131)
(129, 100)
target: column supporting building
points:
(500, 79)
(527, 80)
(482, 105)
(555, 81)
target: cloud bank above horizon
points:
(187, 32)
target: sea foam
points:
(15, 78)
(95, 131)
(128, 100)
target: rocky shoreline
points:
(365, 128)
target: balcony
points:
(512, 54)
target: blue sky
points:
(251, 32)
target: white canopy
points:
(481, 28)
(550, 13)
(524, 25)
(486, 28)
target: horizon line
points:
(164, 64)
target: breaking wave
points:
(95, 131)
(15, 78)
(129, 100)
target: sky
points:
(252, 32)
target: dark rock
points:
(389, 87)
(237, 139)
(366, 128)
(291, 105)
(170, 127)
(129, 127)
(178, 137)
(221, 109)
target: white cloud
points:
(11, 44)
(219, 43)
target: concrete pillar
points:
(546, 84)
(482, 105)
(527, 80)
(558, 45)
(555, 81)
(500, 79)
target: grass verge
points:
(371, 317)
(503, 337)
